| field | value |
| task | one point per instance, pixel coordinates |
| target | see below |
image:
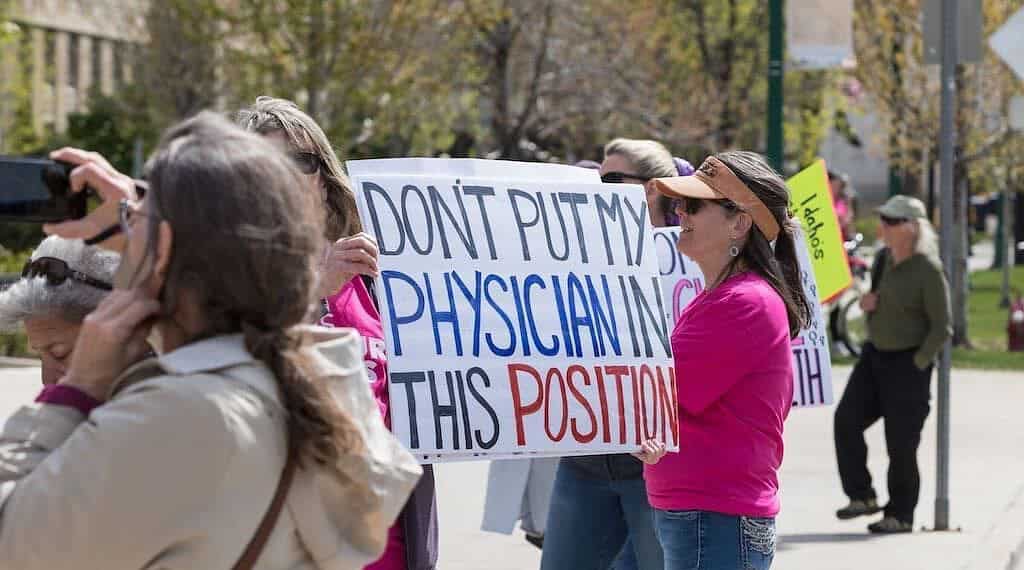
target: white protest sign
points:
(472, 168)
(682, 280)
(522, 317)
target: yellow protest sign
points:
(811, 201)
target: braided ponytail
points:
(247, 237)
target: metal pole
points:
(776, 74)
(1000, 247)
(947, 144)
(1005, 252)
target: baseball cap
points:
(906, 207)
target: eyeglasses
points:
(692, 206)
(307, 162)
(889, 221)
(619, 177)
(127, 213)
(57, 272)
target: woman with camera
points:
(229, 450)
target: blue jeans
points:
(701, 540)
(591, 519)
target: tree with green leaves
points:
(904, 92)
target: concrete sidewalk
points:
(986, 487)
(986, 490)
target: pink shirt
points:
(734, 375)
(353, 307)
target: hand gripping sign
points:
(523, 313)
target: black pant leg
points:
(858, 409)
(905, 406)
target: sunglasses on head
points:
(890, 221)
(620, 177)
(56, 272)
(307, 162)
(691, 206)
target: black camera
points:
(38, 190)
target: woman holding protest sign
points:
(601, 500)
(347, 298)
(715, 501)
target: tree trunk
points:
(315, 72)
(961, 278)
(960, 288)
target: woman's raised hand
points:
(95, 172)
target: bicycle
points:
(847, 323)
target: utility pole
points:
(776, 74)
(947, 144)
(1003, 252)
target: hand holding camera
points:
(92, 171)
(55, 192)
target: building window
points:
(73, 49)
(119, 64)
(97, 63)
(49, 56)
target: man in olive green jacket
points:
(908, 316)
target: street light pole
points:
(947, 143)
(776, 74)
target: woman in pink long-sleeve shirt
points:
(715, 501)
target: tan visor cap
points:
(716, 181)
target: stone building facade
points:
(68, 48)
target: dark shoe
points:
(890, 525)
(536, 540)
(858, 508)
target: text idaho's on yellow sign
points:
(812, 204)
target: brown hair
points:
(244, 249)
(268, 115)
(779, 266)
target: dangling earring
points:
(734, 251)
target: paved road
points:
(987, 490)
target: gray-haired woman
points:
(62, 282)
(638, 161)
(604, 495)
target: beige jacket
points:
(176, 470)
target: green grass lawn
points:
(868, 227)
(987, 323)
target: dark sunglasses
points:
(57, 272)
(893, 221)
(692, 206)
(307, 162)
(620, 177)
